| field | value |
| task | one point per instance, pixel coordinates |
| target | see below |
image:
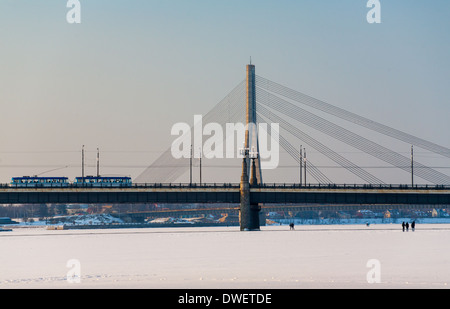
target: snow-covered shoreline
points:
(103, 219)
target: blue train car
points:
(93, 181)
(27, 181)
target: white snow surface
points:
(325, 256)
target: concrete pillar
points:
(251, 135)
(244, 191)
(249, 218)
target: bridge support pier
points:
(249, 213)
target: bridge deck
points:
(228, 193)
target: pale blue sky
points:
(131, 69)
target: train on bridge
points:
(61, 182)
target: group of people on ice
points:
(405, 226)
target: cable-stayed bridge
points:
(320, 154)
(279, 104)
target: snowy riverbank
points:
(107, 220)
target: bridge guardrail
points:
(135, 185)
(354, 186)
(236, 186)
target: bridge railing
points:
(185, 185)
(134, 185)
(234, 186)
(353, 186)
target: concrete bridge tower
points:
(249, 212)
(251, 134)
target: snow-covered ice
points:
(327, 256)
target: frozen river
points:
(339, 256)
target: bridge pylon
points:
(249, 212)
(251, 132)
